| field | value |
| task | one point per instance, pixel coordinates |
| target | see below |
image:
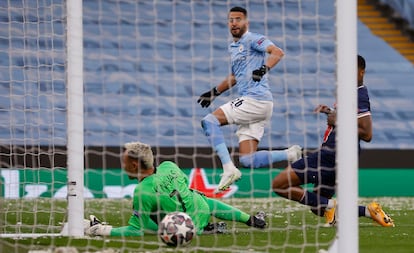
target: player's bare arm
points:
(207, 97)
(275, 55)
(365, 128)
(330, 112)
(323, 109)
(226, 84)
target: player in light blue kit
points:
(252, 56)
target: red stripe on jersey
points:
(328, 131)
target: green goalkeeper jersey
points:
(163, 192)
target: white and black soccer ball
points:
(176, 229)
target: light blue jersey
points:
(249, 54)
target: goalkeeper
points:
(163, 190)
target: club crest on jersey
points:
(241, 48)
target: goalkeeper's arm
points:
(98, 228)
(126, 231)
(95, 227)
(151, 227)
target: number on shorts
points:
(238, 103)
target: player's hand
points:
(259, 73)
(323, 109)
(207, 97)
(96, 227)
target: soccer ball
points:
(176, 229)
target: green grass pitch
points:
(292, 228)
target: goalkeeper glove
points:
(259, 73)
(207, 97)
(96, 227)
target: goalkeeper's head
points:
(138, 160)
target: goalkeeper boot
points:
(215, 228)
(378, 215)
(329, 215)
(228, 178)
(294, 153)
(258, 220)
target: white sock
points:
(228, 167)
(367, 214)
(331, 204)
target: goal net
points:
(145, 63)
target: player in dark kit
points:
(319, 167)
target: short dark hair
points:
(361, 62)
(239, 9)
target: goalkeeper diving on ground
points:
(165, 189)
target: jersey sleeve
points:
(364, 106)
(144, 203)
(260, 42)
(126, 231)
(137, 224)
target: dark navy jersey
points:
(364, 109)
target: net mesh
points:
(145, 64)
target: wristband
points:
(330, 110)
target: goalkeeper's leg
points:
(224, 211)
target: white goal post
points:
(75, 116)
(347, 154)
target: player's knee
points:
(208, 123)
(275, 187)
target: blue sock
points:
(361, 211)
(263, 158)
(279, 155)
(211, 128)
(311, 199)
(223, 153)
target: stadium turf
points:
(292, 228)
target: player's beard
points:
(237, 34)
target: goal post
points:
(75, 107)
(347, 154)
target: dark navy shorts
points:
(318, 169)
